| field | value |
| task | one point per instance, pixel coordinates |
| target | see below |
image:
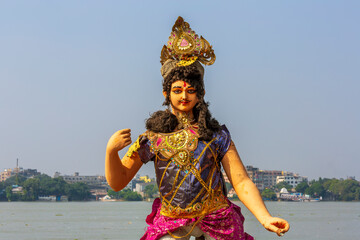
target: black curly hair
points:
(166, 122)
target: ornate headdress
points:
(185, 47)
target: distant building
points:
(90, 180)
(231, 193)
(29, 173)
(263, 178)
(269, 178)
(293, 180)
(139, 179)
(145, 179)
(7, 173)
(140, 187)
(53, 198)
(17, 189)
(226, 179)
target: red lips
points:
(184, 102)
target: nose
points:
(184, 95)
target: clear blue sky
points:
(285, 82)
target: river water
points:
(126, 220)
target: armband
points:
(134, 148)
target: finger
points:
(286, 227)
(273, 228)
(128, 142)
(283, 229)
(126, 130)
(126, 138)
(282, 224)
(125, 134)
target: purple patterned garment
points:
(226, 223)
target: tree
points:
(132, 196)
(357, 194)
(2, 191)
(78, 191)
(31, 189)
(316, 189)
(301, 187)
(9, 194)
(45, 184)
(350, 190)
(113, 194)
(268, 194)
(228, 186)
(150, 190)
(283, 184)
(125, 194)
(51, 186)
(15, 180)
(333, 188)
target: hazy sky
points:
(285, 82)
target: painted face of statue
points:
(182, 97)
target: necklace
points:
(184, 120)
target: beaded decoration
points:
(186, 46)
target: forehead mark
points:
(184, 84)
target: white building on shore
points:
(292, 180)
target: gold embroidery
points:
(178, 148)
(205, 206)
(178, 187)
(173, 187)
(162, 177)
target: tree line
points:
(127, 195)
(332, 189)
(42, 185)
(329, 189)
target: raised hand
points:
(276, 225)
(119, 140)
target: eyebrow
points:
(191, 87)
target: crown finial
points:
(186, 46)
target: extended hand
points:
(276, 225)
(119, 140)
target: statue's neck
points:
(185, 119)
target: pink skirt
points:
(226, 223)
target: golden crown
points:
(186, 46)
